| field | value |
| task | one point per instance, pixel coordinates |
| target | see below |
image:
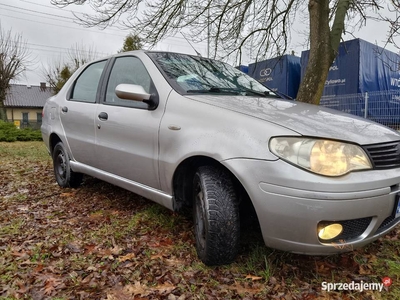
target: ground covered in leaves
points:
(101, 242)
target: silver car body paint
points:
(140, 150)
(306, 119)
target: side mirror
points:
(132, 92)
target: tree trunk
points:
(3, 114)
(324, 44)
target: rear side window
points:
(85, 88)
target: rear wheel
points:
(216, 216)
(64, 175)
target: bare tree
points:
(394, 22)
(234, 26)
(14, 59)
(57, 73)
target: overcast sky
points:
(50, 31)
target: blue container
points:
(280, 74)
(243, 68)
(358, 68)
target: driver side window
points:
(129, 70)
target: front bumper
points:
(290, 202)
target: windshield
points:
(193, 75)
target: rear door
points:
(126, 130)
(78, 113)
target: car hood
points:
(305, 119)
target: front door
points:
(126, 131)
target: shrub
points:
(10, 133)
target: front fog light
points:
(329, 231)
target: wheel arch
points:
(183, 186)
(53, 141)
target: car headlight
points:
(325, 157)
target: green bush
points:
(10, 133)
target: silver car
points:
(186, 131)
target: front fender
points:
(192, 128)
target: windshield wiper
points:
(239, 91)
(275, 94)
(284, 96)
(216, 90)
(249, 91)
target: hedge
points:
(10, 133)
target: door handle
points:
(103, 116)
(64, 109)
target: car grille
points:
(384, 156)
(351, 229)
(389, 221)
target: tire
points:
(216, 216)
(65, 177)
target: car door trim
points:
(153, 194)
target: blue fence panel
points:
(382, 106)
(352, 103)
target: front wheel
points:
(216, 216)
(64, 175)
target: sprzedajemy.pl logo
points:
(356, 286)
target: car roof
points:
(142, 51)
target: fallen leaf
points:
(173, 262)
(364, 269)
(23, 208)
(73, 248)
(91, 268)
(50, 285)
(90, 248)
(22, 286)
(253, 278)
(38, 268)
(72, 194)
(20, 255)
(242, 289)
(164, 288)
(87, 278)
(155, 256)
(116, 250)
(272, 280)
(137, 289)
(129, 256)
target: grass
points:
(13, 228)
(100, 241)
(32, 151)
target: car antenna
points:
(198, 54)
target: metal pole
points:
(366, 106)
